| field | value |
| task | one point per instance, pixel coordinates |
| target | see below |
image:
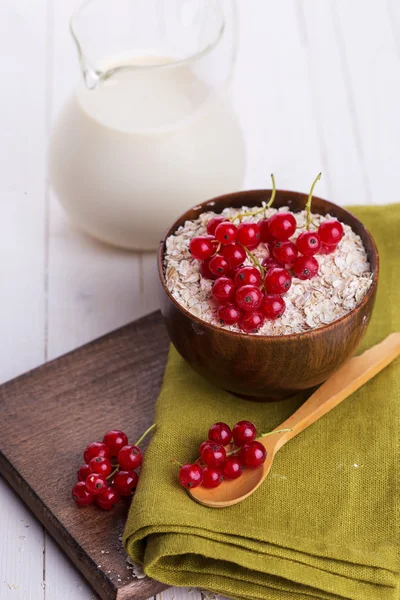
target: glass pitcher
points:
(150, 130)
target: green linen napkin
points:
(324, 525)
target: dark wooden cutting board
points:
(49, 415)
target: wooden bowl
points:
(260, 366)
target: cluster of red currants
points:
(250, 294)
(216, 464)
(102, 482)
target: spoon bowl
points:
(231, 492)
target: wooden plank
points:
(21, 553)
(333, 104)
(372, 61)
(120, 374)
(63, 580)
(180, 594)
(22, 244)
(393, 10)
(92, 288)
(272, 97)
(22, 158)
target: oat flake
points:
(343, 279)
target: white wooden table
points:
(317, 87)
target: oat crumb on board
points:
(137, 570)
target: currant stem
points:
(176, 462)
(275, 431)
(255, 261)
(247, 214)
(308, 205)
(259, 210)
(144, 435)
(111, 475)
(271, 200)
(262, 435)
(232, 452)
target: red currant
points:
(248, 297)
(203, 444)
(213, 454)
(212, 477)
(83, 472)
(253, 246)
(324, 249)
(95, 484)
(213, 224)
(243, 432)
(80, 494)
(220, 433)
(229, 313)
(330, 232)
(308, 243)
(278, 281)
(218, 265)
(96, 449)
(130, 458)
(248, 234)
(285, 252)
(115, 440)
(191, 475)
(250, 322)
(125, 482)
(247, 276)
(282, 225)
(108, 499)
(205, 270)
(252, 455)
(270, 263)
(305, 267)
(201, 247)
(226, 232)
(223, 289)
(232, 468)
(100, 465)
(273, 306)
(265, 234)
(234, 254)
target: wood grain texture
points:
(50, 414)
(268, 367)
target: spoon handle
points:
(351, 376)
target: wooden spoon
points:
(351, 376)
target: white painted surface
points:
(317, 86)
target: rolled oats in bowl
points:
(343, 278)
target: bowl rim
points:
(209, 205)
